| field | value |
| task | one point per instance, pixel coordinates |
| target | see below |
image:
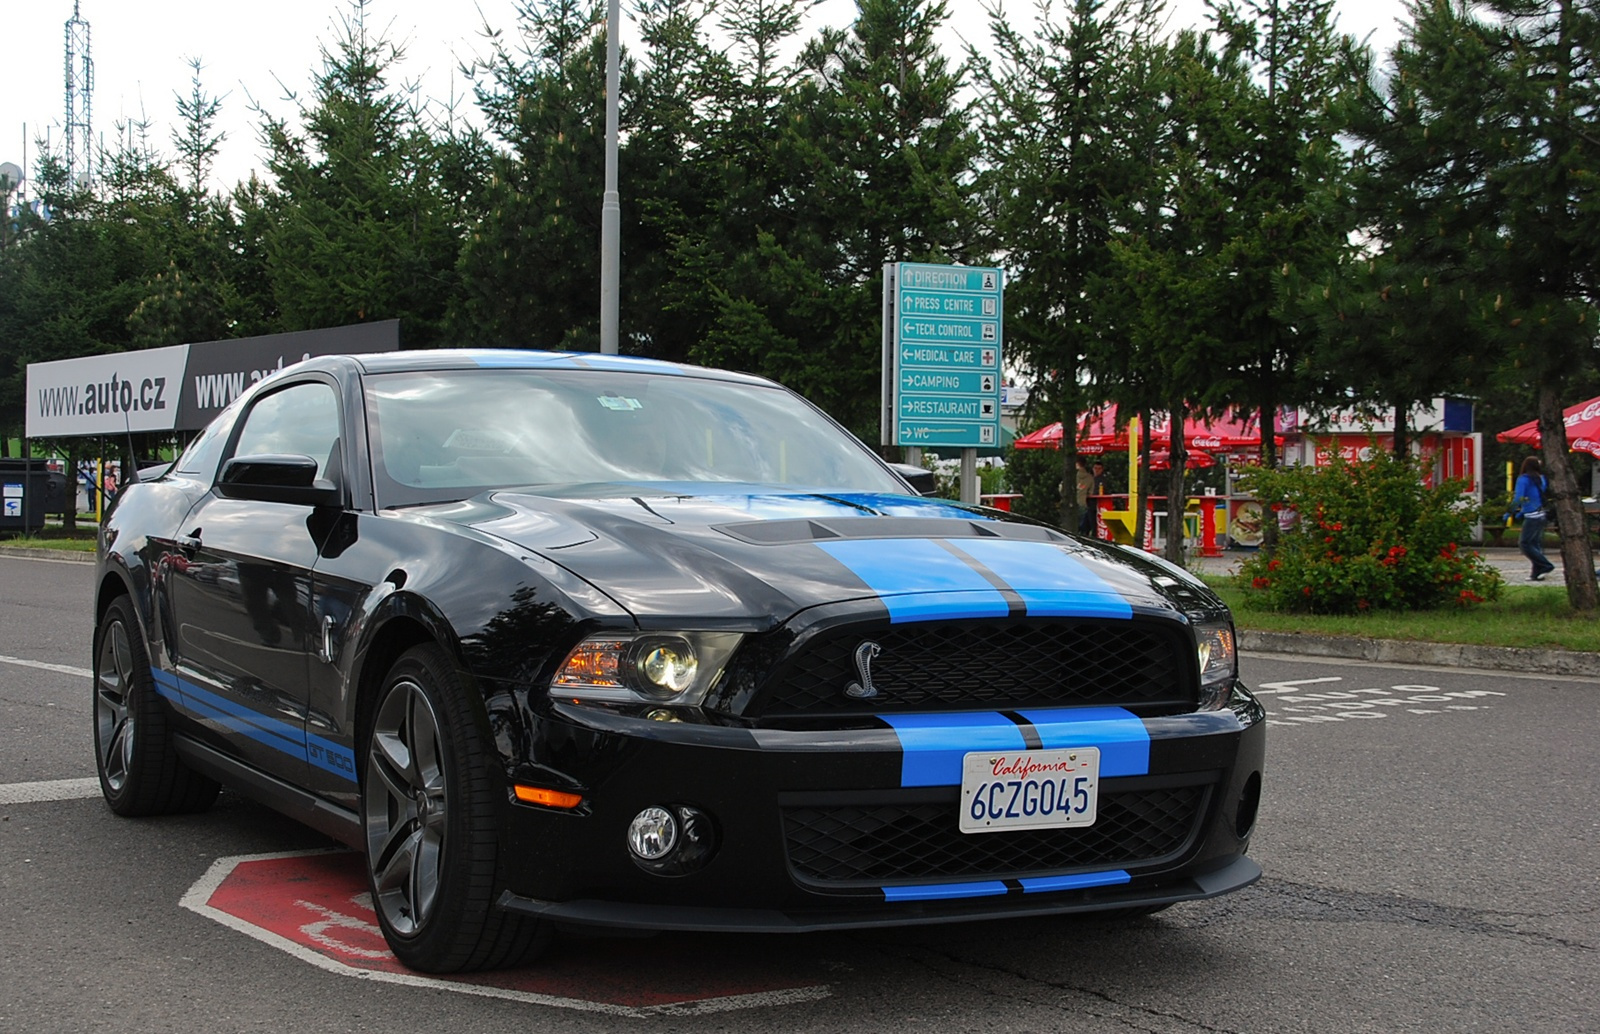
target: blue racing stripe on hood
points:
(933, 744)
(1051, 582)
(1123, 740)
(919, 580)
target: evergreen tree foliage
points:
(530, 268)
(359, 227)
(1058, 108)
(1496, 113)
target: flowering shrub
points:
(1370, 535)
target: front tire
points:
(430, 813)
(140, 772)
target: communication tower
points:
(80, 96)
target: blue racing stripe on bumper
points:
(919, 580)
(1123, 740)
(1051, 582)
(945, 891)
(933, 744)
(1076, 881)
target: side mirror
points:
(277, 479)
(921, 480)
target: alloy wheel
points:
(406, 808)
(114, 717)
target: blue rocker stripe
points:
(275, 733)
(248, 728)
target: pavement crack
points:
(952, 967)
(1287, 899)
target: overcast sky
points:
(142, 48)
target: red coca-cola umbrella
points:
(1099, 432)
(1583, 429)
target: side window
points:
(201, 456)
(300, 420)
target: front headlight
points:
(1219, 662)
(644, 668)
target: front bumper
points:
(1239, 873)
(834, 828)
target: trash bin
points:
(28, 488)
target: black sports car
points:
(577, 639)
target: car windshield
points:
(442, 435)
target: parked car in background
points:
(573, 639)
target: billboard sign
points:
(180, 387)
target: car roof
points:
(520, 359)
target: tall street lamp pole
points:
(611, 205)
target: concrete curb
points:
(1442, 655)
(48, 554)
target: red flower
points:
(1260, 583)
(1306, 590)
(1273, 565)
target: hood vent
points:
(790, 532)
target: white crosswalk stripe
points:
(49, 790)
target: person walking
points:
(1528, 502)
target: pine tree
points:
(360, 229)
(1057, 110)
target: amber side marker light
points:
(549, 798)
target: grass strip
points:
(1528, 616)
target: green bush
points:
(1368, 535)
(1036, 473)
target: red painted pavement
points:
(320, 903)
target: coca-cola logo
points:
(1588, 445)
(1590, 410)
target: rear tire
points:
(140, 772)
(430, 810)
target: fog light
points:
(653, 834)
(1249, 804)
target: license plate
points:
(1029, 789)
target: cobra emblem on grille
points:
(864, 690)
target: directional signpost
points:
(942, 331)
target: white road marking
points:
(65, 669)
(1281, 687)
(49, 790)
(198, 897)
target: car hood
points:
(749, 556)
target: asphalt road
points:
(1428, 837)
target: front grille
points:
(884, 843)
(986, 664)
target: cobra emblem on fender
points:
(864, 689)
